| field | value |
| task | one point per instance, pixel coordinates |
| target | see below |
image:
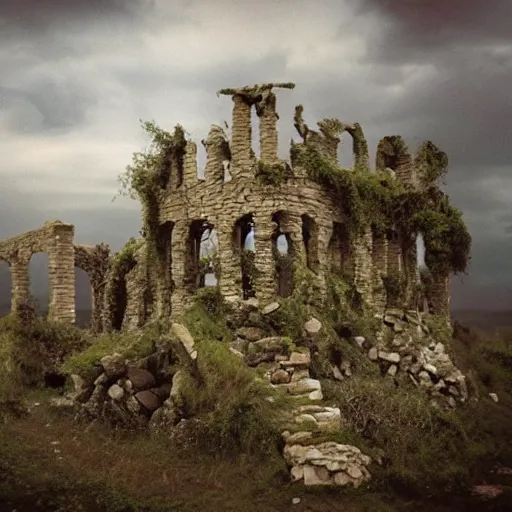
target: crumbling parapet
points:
(262, 97)
(266, 110)
(392, 153)
(218, 154)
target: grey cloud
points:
(46, 104)
(30, 16)
(412, 30)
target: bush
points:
(33, 347)
(132, 345)
(236, 416)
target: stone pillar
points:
(20, 282)
(217, 152)
(240, 136)
(179, 297)
(411, 272)
(268, 130)
(439, 295)
(265, 282)
(230, 272)
(190, 164)
(61, 269)
(404, 169)
(292, 226)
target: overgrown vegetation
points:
(272, 174)
(151, 172)
(33, 347)
(131, 345)
(380, 200)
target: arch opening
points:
(39, 282)
(244, 246)
(208, 258)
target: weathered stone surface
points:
(390, 357)
(494, 397)
(337, 373)
(270, 308)
(280, 377)
(373, 354)
(182, 334)
(313, 326)
(148, 399)
(250, 333)
(304, 386)
(113, 365)
(140, 379)
(115, 392)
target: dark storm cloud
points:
(35, 16)
(413, 29)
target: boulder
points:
(270, 308)
(312, 326)
(148, 400)
(115, 392)
(140, 379)
(113, 365)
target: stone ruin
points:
(134, 286)
(127, 290)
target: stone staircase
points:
(310, 427)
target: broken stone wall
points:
(56, 239)
(95, 261)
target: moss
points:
(150, 172)
(272, 174)
(380, 200)
(131, 345)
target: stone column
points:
(230, 272)
(190, 164)
(20, 282)
(265, 282)
(439, 295)
(268, 130)
(61, 269)
(404, 169)
(241, 142)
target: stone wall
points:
(230, 199)
(56, 239)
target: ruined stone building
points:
(231, 198)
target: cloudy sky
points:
(76, 77)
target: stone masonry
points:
(231, 200)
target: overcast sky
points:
(76, 77)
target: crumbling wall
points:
(95, 260)
(56, 239)
(365, 259)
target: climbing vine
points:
(380, 200)
(150, 172)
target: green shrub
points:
(236, 415)
(33, 346)
(132, 345)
